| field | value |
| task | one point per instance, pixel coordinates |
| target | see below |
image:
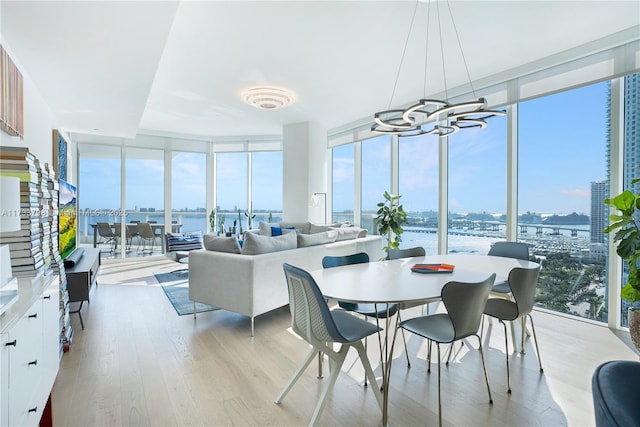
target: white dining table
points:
(392, 281)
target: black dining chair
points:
(106, 232)
(377, 311)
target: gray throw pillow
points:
(265, 227)
(221, 244)
(301, 227)
(255, 244)
(319, 228)
(347, 233)
(314, 239)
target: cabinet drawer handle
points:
(33, 409)
(34, 363)
(33, 316)
(12, 343)
(47, 297)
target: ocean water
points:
(461, 241)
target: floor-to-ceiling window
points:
(477, 187)
(418, 185)
(562, 155)
(266, 187)
(343, 183)
(376, 178)
(240, 192)
(99, 196)
(144, 200)
(231, 190)
(631, 155)
(188, 192)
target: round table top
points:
(394, 282)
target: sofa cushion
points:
(265, 227)
(314, 239)
(255, 244)
(183, 241)
(348, 233)
(301, 227)
(221, 244)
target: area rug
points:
(175, 285)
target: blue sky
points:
(562, 149)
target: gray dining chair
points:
(523, 283)
(517, 250)
(406, 253)
(312, 320)
(465, 303)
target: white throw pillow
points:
(314, 239)
(255, 244)
(221, 244)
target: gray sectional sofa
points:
(250, 280)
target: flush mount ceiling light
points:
(267, 98)
(433, 116)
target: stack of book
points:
(44, 208)
(25, 244)
(49, 224)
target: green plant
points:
(627, 238)
(250, 216)
(221, 220)
(390, 218)
(212, 220)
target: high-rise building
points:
(631, 130)
(599, 216)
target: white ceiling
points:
(121, 68)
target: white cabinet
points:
(29, 355)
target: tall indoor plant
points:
(627, 239)
(390, 218)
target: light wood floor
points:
(138, 363)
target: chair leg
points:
(429, 356)
(297, 375)
(506, 352)
(335, 366)
(439, 389)
(320, 357)
(535, 338)
(364, 359)
(484, 368)
(404, 339)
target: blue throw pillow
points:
(277, 231)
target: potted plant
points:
(627, 240)
(390, 218)
(221, 219)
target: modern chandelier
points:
(433, 116)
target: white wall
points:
(304, 156)
(295, 164)
(39, 121)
